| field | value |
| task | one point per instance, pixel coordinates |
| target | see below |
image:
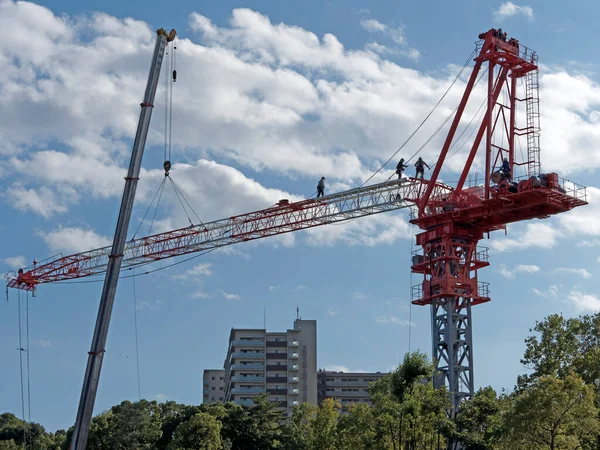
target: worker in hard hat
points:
(401, 167)
(420, 166)
(321, 187)
(505, 169)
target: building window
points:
(213, 388)
(221, 378)
(213, 378)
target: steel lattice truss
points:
(282, 218)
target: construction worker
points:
(401, 168)
(420, 167)
(505, 169)
(321, 187)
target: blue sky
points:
(269, 98)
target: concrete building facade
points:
(347, 387)
(281, 364)
(213, 386)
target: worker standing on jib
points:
(321, 187)
(420, 169)
(400, 168)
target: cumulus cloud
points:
(584, 302)
(229, 296)
(534, 235)
(397, 36)
(73, 239)
(580, 272)
(340, 368)
(202, 269)
(520, 268)
(15, 262)
(272, 97)
(509, 9)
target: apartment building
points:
(281, 364)
(213, 386)
(347, 387)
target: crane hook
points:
(167, 167)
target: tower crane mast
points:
(453, 219)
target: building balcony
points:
(293, 379)
(293, 344)
(276, 344)
(294, 403)
(293, 367)
(248, 379)
(363, 384)
(280, 380)
(293, 355)
(276, 355)
(260, 367)
(277, 368)
(342, 394)
(252, 390)
(260, 355)
(247, 343)
(273, 391)
(243, 402)
(294, 391)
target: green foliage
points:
(555, 407)
(201, 432)
(554, 414)
(561, 346)
(479, 424)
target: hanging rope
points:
(28, 371)
(410, 288)
(162, 184)
(179, 193)
(21, 350)
(135, 326)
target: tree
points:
(356, 430)
(201, 432)
(480, 419)
(297, 433)
(414, 367)
(173, 414)
(15, 430)
(554, 414)
(324, 425)
(561, 346)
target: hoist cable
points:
(424, 120)
(181, 202)
(135, 325)
(28, 371)
(147, 210)
(185, 200)
(21, 369)
(156, 209)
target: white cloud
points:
(202, 269)
(274, 97)
(74, 240)
(535, 235)
(42, 343)
(340, 368)
(509, 9)
(391, 320)
(331, 311)
(161, 397)
(589, 243)
(15, 262)
(201, 294)
(581, 272)
(360, 296)
(373, 25)
(396, 34)
(229, 296)
(551, 292)
(520, 268)
(584, 302)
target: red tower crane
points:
(453, 219)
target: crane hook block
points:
(167, 167)
(174, 76)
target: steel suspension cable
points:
(424, 120)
